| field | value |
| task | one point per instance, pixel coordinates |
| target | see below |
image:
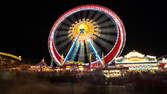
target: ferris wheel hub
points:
(87, 29)
(83, 28)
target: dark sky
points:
(25, 26)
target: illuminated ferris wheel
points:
(91, 34)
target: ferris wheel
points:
(92, 34)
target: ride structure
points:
(11, 56)
(90, 34)
(8, 60)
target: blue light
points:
(82, 30)
(71, 49)
(95, 52)
(75, 53)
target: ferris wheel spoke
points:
(87, 14)
(64, 45)
(81, 53)
(90, 14)
(64, 27)
(107, 38)
(96, 16)
(76, 17)
(67, 21)
(105, 32)
(84, 14)
(103, 21)
(81, 14)
(66, 24)
(107, 43)
(108, 30)
(101, 46)
(61, 31)
(61, 35)
(64, 48)
(61, 40)
(86, 52)
(107, 26)
(107, 49)
(99, 17)
(70, 20)
(93, 14)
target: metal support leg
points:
(75, 53)
(51, 63)
(71, 49)
(95, 52)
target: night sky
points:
(25, 26)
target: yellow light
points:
(68, 67)
(80, 66)
(84, 27)
(10, 55)
(88, 26)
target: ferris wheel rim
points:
(120, 38)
